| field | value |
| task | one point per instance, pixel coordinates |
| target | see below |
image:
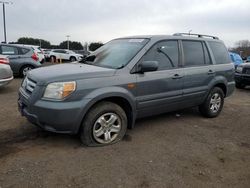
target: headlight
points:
(59, 90)
(239, 69)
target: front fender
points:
(103, 93)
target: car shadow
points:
(187, 113)
(11, 140)
(246, 89)
(6, 89)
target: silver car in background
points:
(6, 74)
(22, 59)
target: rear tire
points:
(52, 59)
(213, 104)
(25, 69)
(104, 124)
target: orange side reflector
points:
(131, 86)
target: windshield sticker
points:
(136, 40)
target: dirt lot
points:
(179, 149)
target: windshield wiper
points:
(121, 66)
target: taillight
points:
(4, 61)
(35, 57)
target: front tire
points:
(104, 124)
(213, 104)
(72, 59)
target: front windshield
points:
(116, 53)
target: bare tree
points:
(243, 44)
(242, 47)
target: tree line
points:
(242, 48)
(74, 45)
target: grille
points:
(29, 85)
(246, 70)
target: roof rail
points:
(197, 35)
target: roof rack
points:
(197, 35)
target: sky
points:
(104, 20)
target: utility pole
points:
(68, 41)
(189, 32)
(4, 22)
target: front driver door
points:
(160, 91)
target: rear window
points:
(220, 52)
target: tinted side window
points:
(9, 50)
(57, 51)
(193, 53)
(220, 52)
(166, 53)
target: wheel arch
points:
(223, 87)
(123, 101)
(220, 82)
(72, 57)
(23, 66)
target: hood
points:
(68, 72)
(245, 65)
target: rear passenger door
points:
(198, 71)
(161, 90)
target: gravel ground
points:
(180, 149)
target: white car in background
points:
(65, 55)
(46, 53)
(6, 74)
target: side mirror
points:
(147, 66)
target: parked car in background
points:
(63, 54)
(40, 54)
(6, 74)
(242, 75)
(22, 59)
(37, 50)
(46, 53)
(85, 53)
(126, 79)
(236, 59)
(248, 59)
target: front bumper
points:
(242, 78)
(59, 117)
(5, 81)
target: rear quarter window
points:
(24, 50)
(220, 52)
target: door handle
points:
(210, 72)
(177, 76)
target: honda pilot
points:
(126, 79)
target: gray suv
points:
(126, 79)
(22, 59)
